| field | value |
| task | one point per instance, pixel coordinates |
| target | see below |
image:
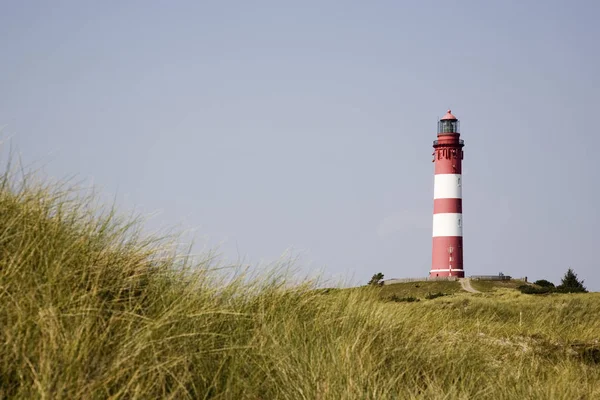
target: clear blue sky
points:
(269, 125)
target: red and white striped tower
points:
(447, 249)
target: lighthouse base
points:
(447, 257)
(442, 273)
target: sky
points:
(268, 128)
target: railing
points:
(460, 141)
(490, 277)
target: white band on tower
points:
(447, 186)
(447, 224)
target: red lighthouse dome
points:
(449, 115)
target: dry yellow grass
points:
(90, 309)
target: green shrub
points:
(430, 296)
(543, 283)
(530, 289)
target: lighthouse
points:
(447, 246)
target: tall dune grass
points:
(92, 309)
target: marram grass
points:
(92, 309)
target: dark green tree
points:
(376, 280)
(570, 284)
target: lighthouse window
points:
(458, 181)
(448, 126)
(459, 222)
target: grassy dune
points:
(91, 309)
